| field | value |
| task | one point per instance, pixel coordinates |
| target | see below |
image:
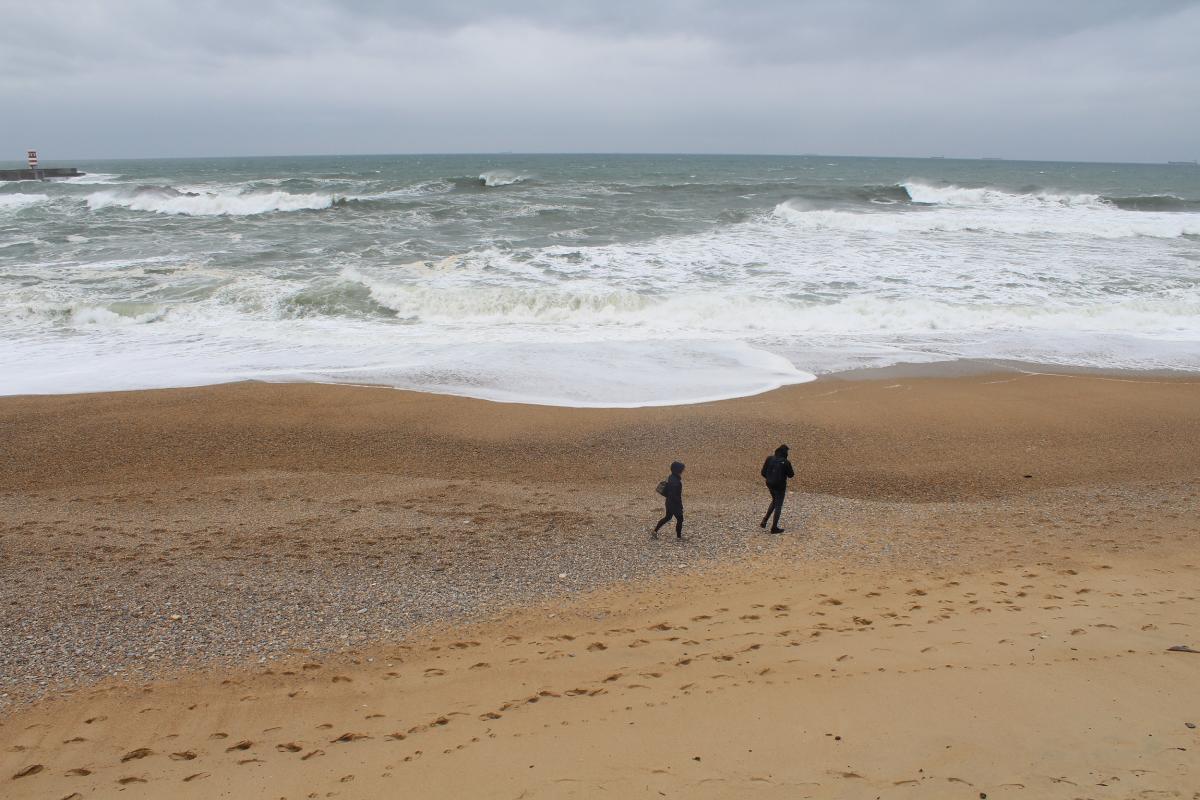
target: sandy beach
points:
(260, 590)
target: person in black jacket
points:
(776, 470)
(674, 501)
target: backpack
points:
(773, 471)
(662, 488)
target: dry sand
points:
(383, 594)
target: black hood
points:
(676, 467)
(782, 451)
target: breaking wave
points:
(16, 202)
(597, 281)
(622, 313)
(959, 209)
(951, 195)
(426, 303)
(83, 314)
(207, 204)
(501, 177)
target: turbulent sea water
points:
(589, 280)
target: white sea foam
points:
(208, 204)
(992, 211)
(614, 314)
(16, 202)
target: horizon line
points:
(664, 153)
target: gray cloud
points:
(1086, 79)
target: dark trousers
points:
(777, 496)
(677, 513)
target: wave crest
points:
(82, 314)
(501, 177)
(481, 304)
(208, 204)
(16, 202)
(951, 195)
(950, 209)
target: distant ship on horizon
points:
(1183, 163)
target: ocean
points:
(589, 280)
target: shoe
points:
(776, 530)
(762, 524)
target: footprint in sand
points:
(288, 747)
(186, 755)
(133, 755)
(130, 779)
(32, 769)
(198, 776)
(245, 744)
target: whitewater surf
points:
(589, 280)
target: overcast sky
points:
(1052, 79)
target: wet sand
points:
(293, 591)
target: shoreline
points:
(950, 368)
(176, 540)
